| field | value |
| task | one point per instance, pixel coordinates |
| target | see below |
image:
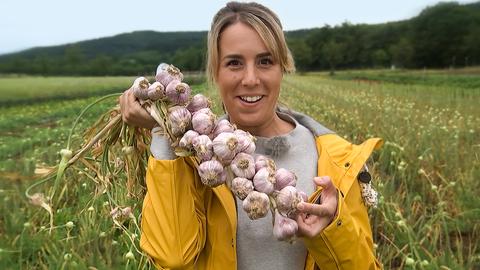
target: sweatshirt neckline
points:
(276, 145)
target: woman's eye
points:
(233, 63)
(266, 62)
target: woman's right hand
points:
(133, 113)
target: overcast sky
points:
(25, 24)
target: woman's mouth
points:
(250, 99)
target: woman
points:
(186, 225)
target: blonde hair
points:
(263, 20)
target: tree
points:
(380, 58)
(74, 58)
(101, 65)
(439, 32)
(333, 52)
(401, 53)
(189, 59)
(302, 54)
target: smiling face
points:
(249, 80)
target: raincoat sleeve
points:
(342, 244)
(347, 242)
(173, 214)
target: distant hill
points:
(119, 45)
(447, 34)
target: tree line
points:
(441, 36)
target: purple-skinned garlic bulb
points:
(179, 119)
(246, 142)
(284, 228)
(303, 195)
(264, 162)
(256, 205)
(221, 126)
(241, 187)
(284, 178)
(287, 200)
(225, 146)
(178, 92)
(156, 91)
(212, 173)
(264, 180)
(167, 73)
(203, 147)
(140, 88)
(203, 121)
(243, 165)
(162, 67)
(186, 140)
(198, 102)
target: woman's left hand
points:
(313, 218)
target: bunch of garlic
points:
(165, 100)
(224, 153)
(226, 157)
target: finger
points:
(131, 97)
(123, 105)
(315, 209)
(324, 181)
(304, 229)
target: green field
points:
(426, 173)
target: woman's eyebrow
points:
(232, 56)
(263, 54)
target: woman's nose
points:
(250, 77)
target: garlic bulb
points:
(38, 199)
(66, 153)
(121, 214)
(284, 228)
(303, 195)
(222, 126)
(225, 146)
(186, 140)
(167, 73)
(203, 121)
(287, 200)
(212, 173)
(203, 147)
(246, 142)
(241, 187)
(243, 165)
(263, 161)
(162, 67)
(256, 205)
(128, 150)
(156, 91)
(140, 88)
(178, 92)
(264, 180)
(198, 102)
(284, 178)
(179, 120)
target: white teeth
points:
(251, 99)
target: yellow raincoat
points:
(186, 225)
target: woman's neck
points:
(275, 127)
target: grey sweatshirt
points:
(257, 248)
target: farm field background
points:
(426, 173)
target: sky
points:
(30, 23)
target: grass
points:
(18, 90)
(460, 78)
(427, 172)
